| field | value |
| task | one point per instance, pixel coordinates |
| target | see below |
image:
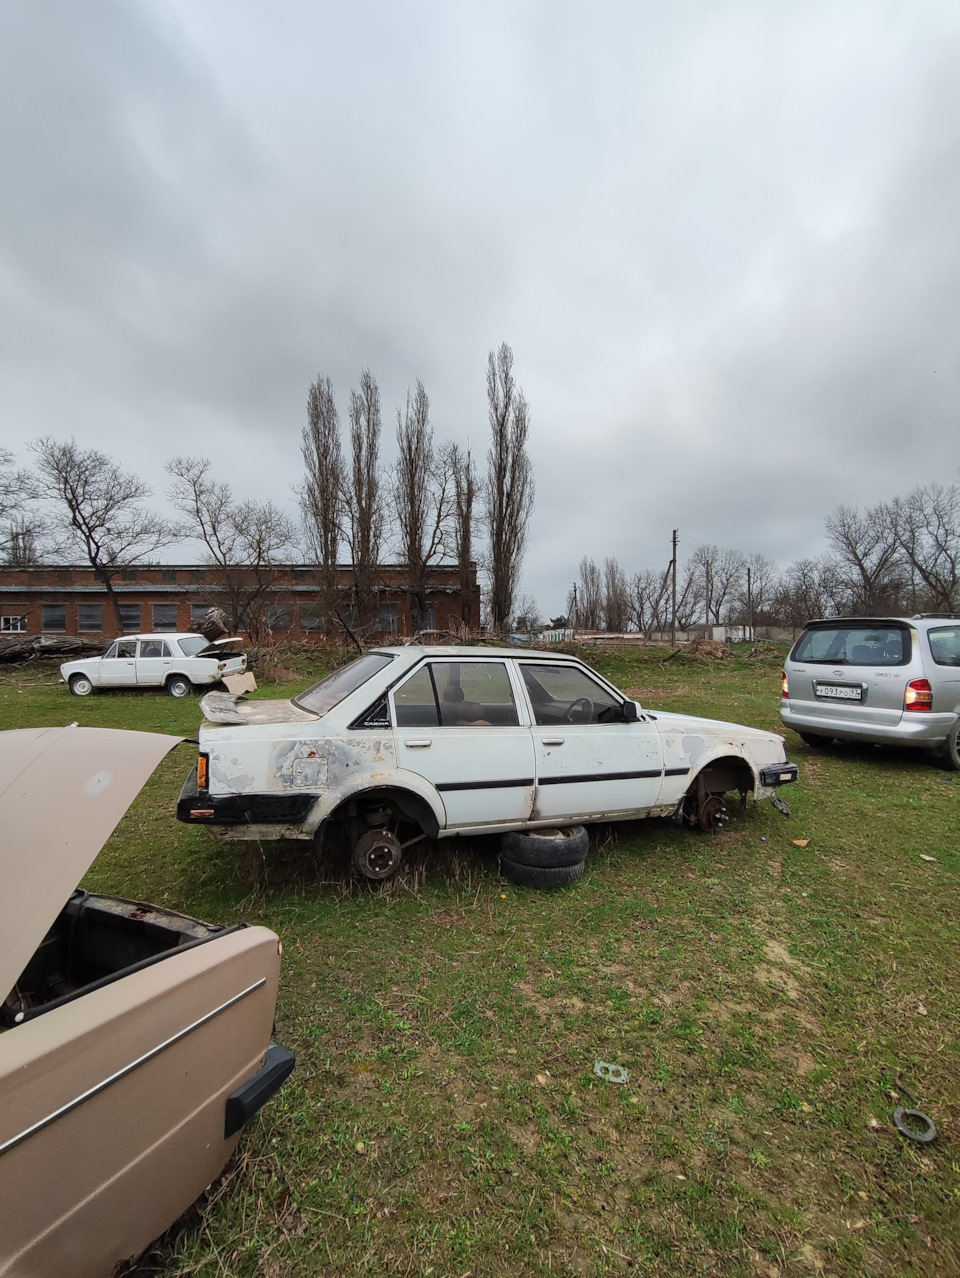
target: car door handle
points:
(551, 740)
(417, 743)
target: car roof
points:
(918, 617)
(461, 652)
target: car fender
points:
(393, 779)
(697, 755)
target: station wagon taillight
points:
(784, 690)
(202, 764)
(918, 695)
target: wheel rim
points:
(81, 687)
(713, 813)
(178, 688)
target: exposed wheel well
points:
(373, 808)
(703, 803)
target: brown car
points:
(134, 1041)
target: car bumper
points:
(778, 774)
(922, 730)
(199, 807)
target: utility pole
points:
(750, 601)
(673, 611)
(573, 618)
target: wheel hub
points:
(377, 854)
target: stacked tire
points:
(544, 859)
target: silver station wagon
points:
(883, 680)
(413, 742)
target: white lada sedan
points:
(414, 742)
(176, 662)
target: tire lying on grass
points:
(566, 845)
(544, 877)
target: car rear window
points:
(945, 645)
(852, 645)
(192, 644)
(329, 692)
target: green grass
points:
(444, 1117)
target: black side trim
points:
(485, 785)
(600, 776)
(778, 775)
(254, 1094)
(676, 772)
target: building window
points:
(310, 619)
(164, 616)
(13, 625)
(301, 574)
(130, 616)
(90, 617)
(130, 574)
(169, 574)
(198, 612)
(278, 617)
(429, 617)
(387, 618)
(54, 618)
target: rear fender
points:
(396, 783)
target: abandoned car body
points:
(134, 1041)
(416, 741)
(176, 662)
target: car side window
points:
(474, 694)
(945, 645)
(415, 701)
(111, 651)
(567, 694)
(153, 648)
(126, 648)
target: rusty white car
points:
(134, 1041)
(413, 742)
(176, 662)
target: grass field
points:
(770, 1001)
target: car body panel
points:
(126, 1030)
(520, 762)
(847, 677)
(156, 657)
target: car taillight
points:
(202, 765)
(918, 696)
(784, 690)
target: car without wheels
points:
(413, 742)
(176, 662)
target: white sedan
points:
(417, 741)
(177, 662)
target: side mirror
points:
(630, 714)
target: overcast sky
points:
(721, 238)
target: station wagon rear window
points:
(945, 645)
(329, 692)
(852, 645)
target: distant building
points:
(69, 600)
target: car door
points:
(589, 762)
(153, 662)
(457, 724)
(118, 667)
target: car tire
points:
(179, 686)
(543, 877)
(80, 685)
(565, 845)
(814, 740)
(947, 754)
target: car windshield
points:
(329, 692)
(192, 644)
(853, 645)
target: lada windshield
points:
(329, 692)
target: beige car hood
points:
(62, 792)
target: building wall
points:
(69, 600)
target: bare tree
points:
(719, 576)
(98, 509)
(321, 494)
(589, 597)
(22, 534)
(509, 489)
(809, 588)
(458, 464)
(868, 555)
(616, 597)
(365, 521)
(247, 542)
(422, 499)
(528, 618)
(927, 527)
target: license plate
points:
(839, 692)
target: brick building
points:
(68, 600)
